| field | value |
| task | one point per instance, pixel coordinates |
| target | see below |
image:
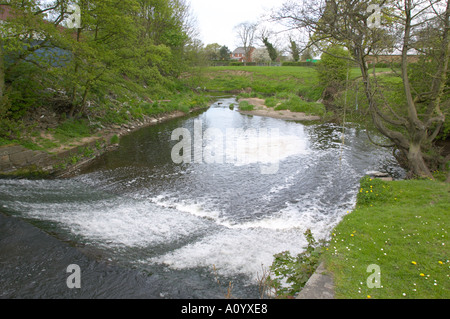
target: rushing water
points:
(137, 209)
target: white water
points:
(199, 216)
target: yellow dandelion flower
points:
(422, 275)
(413, 262)
(440, 262)
(369, 296)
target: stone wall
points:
(17, 157)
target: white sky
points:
(217, 18)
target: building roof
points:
(241, 50)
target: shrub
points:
(295, 270)
(297, 104)
(245, 106)
(332, 68)
(114, 139)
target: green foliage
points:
(294, 50)
(332, 68)
(129, 49)
(273, 54)
(373, 191)
(72, 129)
(114, 139)
(295, 270)
(266, 81)
(245, 106)
(296, 104)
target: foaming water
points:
(179, 221)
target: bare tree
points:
(246, 33)
(351, 23)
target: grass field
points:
(266, 81)
(400, 228)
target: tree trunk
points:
(417, 165)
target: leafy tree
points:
(270, 49)
(399, 23)
(294, 50)
(212, 51)
(333, 68)
(224, 53)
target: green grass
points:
(295, 104)
(266, 81)
(71, 129)
(245, 106)
(401, 227)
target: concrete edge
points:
(319, 286)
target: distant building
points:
(239, 54)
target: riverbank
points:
(395, 244)
(67, 158)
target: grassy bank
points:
(49, 131)
(401, 227)
(264, 81)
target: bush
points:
(296, 104)
(114, 139)
(245, 106)
(297, 270)
(332, 69)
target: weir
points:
(136, 208)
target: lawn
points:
(266, 81)
(400, 230)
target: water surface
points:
(136, 209)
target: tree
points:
(261, 55)
(212, 51)
(333, 68)
(264, 37)
(246, 32)
(356, 25)
(294, 50)
(132, 47)
(224, 53)
(273, 54)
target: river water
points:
(190, 228)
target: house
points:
(239, 54)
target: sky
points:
(217, 18)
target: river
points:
(185, 230)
